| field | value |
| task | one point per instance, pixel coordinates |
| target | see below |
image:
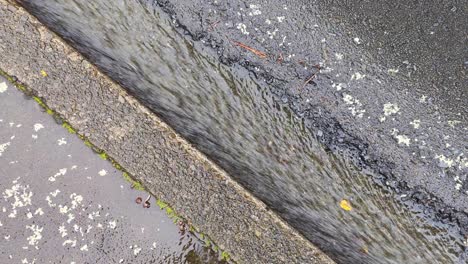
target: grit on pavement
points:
(61, 202)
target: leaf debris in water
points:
(44, 73)
(345, 205)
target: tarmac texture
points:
(384, 83)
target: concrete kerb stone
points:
(167, 165)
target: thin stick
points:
(254, 51)
(308, 81)
(317, 66)
(213, 25)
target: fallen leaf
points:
(345, 205)
(44, 73)
(365, 249)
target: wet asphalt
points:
(387, 82)
(381, 82)
(61, 203)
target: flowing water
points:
(252, 135)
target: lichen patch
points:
(38, 127)
(61, 172)
(415, 123)
(243, 28)
(401, 139)
(388, 110)
(61, 141)
(355, 106)
(357, 76)
(3, 87)
(3, 147)
(34, 239)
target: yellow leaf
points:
(44, 73)
(345, 205)
(365, 249)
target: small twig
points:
(308, 81)
(316, 66)
(254, 51)
(212, 26)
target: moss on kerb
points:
(18, 85)
(87, 142)
(70, 129)
(103, 155)
(171, 213)
(225, 256)
(135, 184)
